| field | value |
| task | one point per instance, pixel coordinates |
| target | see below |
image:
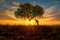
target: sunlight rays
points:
(48, 18)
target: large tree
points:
(29, 11)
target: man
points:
(37, 21)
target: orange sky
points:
(26, 22)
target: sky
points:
(51, 9)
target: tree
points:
(29, 11)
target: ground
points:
(20, 32)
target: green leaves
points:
(32, 14)
(28, 10)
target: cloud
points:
(5, 0)
(15, 5)
(7, 15)
(8, 11)
(52, 13)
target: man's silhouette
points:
(37, 21)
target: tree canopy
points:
(28, 10)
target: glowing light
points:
(32, 22)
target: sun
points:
(32, 22)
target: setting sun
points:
(32, 22)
